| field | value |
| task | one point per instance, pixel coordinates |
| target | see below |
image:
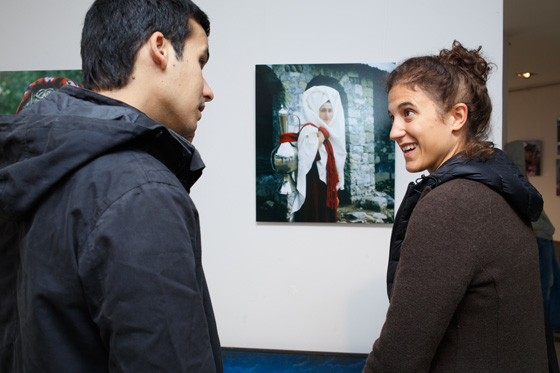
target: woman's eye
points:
(408, 112)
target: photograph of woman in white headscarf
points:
(320, 158)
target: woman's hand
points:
(321, 138)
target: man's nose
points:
(207, 92)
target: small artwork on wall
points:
(558, 177)
(13, 85)
(533, 157)
(323, 152)
(558, 136)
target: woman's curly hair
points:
(456, 75)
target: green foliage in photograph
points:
(14, 83)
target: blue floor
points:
(244, 360)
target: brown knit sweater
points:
(466, 296)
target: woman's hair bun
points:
(470, 61)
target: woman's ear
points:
(458, 116)
(158, 46)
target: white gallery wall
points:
(300, 286)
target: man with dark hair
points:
(99, 240)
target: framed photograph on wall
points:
(323, 152)
(533, 157)
(13, 85)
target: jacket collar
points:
(497, 172)
(58, 135)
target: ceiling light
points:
(525, 75)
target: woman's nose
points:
(396, 131)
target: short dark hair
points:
(114, 31)
(454, 76)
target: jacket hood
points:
(499, 173)
(56, 136)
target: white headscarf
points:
(313, 99)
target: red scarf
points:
(332, 174)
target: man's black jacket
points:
(100, 242)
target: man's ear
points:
(458, 116)
(158, 47)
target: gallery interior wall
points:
(299, 287)
(533, 115)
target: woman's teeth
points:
(408, 147)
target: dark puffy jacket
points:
(100, 242)
(498, 173)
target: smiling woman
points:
(465, 290)
(440, 107)
(426, 137)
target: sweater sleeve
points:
(435, 269)
(142, 277)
